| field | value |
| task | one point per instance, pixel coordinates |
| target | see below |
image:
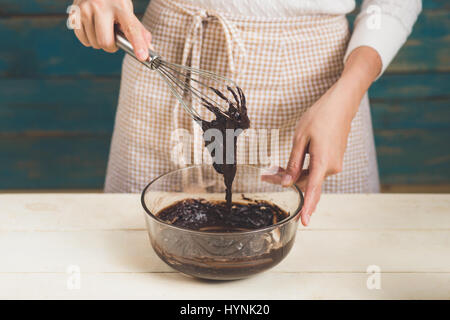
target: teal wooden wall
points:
(57, 101)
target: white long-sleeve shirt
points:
(383, 25)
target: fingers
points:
(295, 164)
(104, 31)
(313, 190)
(147, 36)
(90, 33)
(277, 176)
(87, 22)
(273, 175)
(81, 35)
(97, 26)
(303, 179)
(132, 28)
(310, 180)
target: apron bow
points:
(194, 38)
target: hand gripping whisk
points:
(189, 85)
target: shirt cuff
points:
(386, 39)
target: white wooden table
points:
(45, 239)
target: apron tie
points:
(194, 37)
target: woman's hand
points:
(98, 18)
(323, 129)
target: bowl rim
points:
(273, 226)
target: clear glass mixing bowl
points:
(215, 255)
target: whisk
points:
(218, 94)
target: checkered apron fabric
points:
(283, 66)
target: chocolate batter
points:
(202, 215)
(227, 256)
(235, 119)
(224, 268)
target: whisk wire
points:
(188, 109)
(184, 88)
(181, 79)
(194, 90)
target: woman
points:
(300, 69)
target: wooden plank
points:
(70, 212)
(43, 46)
(314, 251)
(157, 286)
(74, 212)
(411, 86)
(391, 114)
(416, 188)
(436, 4)
(66, 105)
(35, 162)
(414, 263)
(14, 7)
(414, 156)
(426, 4)
(88, 104)
(60, 191)
(385, 188)
(57, 160)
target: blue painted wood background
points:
(58, 99)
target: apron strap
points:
(194, 36)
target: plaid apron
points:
(282, 64)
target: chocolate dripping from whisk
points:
(235, 118)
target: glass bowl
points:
(219, 255)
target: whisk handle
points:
(125, 45)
